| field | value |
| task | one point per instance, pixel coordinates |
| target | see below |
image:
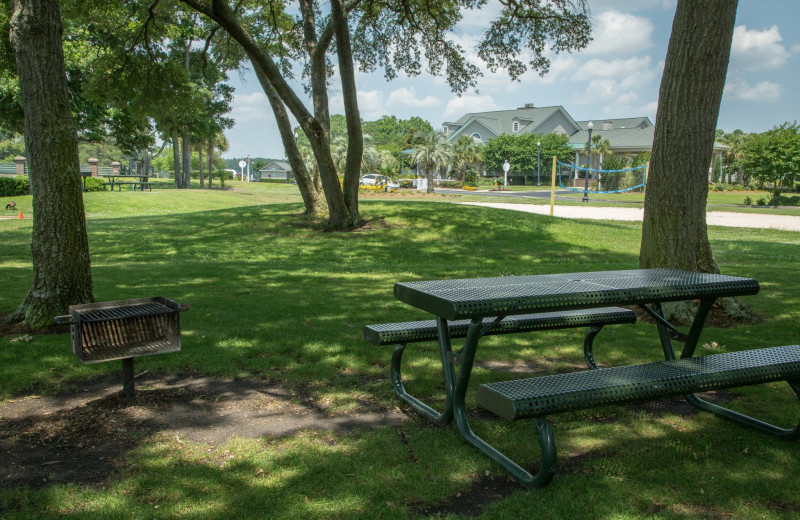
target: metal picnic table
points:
(134, 180)
(497, 298)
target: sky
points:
(616, 76)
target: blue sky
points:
(617, 75)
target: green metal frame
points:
(448, 367)
(667, 332)
(545, 433)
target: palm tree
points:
(466, 153)
(600, 146)
(432, 151)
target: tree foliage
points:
(521, 152)
(774, 156)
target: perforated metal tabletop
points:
(504, 296)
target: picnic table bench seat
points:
(538, 397)
(418, 331)
(402, 333)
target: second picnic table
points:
(140, 181)
(489, 302)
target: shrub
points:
(748, 201)
(761, 202)
(222, 176)
(451, 184)
(94, 184)
(14, 186)
(782, 200)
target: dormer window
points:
(515, 126)
(445, 129)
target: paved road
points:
(713, 218)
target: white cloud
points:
(631, 5)
(796, 49)
(458, 106)
(619, 85)
(371, 104)
(252, 106)
(637, 69)
(762, 91)
(616, 33)
(407, 97)
(758, 50)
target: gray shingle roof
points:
(502, 121)
(277, 166)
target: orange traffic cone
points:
(20, 214)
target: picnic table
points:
(118, 179)
(489, 303)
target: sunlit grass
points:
(274, 299)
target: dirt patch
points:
(83, 437)
(18, 328)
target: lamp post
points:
(538, 163)
(586, 175)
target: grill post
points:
(127, 378)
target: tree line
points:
(157, 67)
(767, 159)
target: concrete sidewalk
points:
(713, 218)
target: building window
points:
(476, 136)
(515, 126)
(445, 129)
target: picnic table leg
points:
(439, 418)
(690, 344)
(545, 433)
(446, 354)
(588, 355)
(128, 385)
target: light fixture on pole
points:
(538, 163)
(586, 174)
(506, 167)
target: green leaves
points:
(522, 153)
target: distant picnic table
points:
(119, 180)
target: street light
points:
(586, 176)
(538, 163)
(506, 167)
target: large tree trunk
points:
(429, 177)
(176, 158)
(355, 138)
(210, 159)
(311, 194)
(186, 160)
(200, 163)
(674, 230)
(60, 248)
(314, 126)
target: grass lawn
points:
(276, 300)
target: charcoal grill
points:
(124, 329)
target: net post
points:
(553, 187)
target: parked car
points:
(371, 179)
